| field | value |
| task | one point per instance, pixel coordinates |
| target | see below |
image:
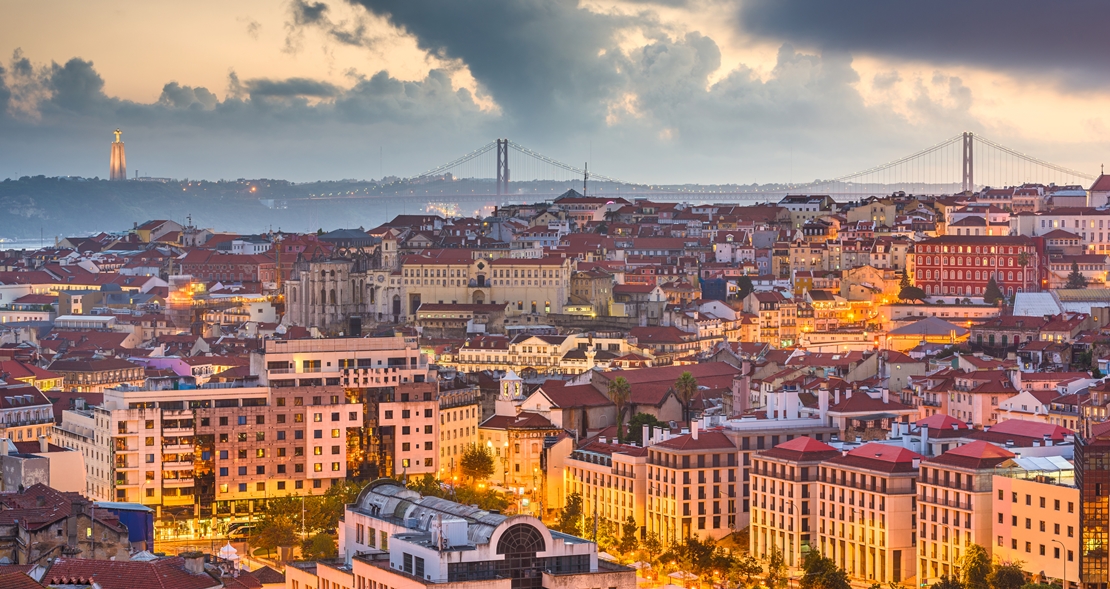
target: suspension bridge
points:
(503, 171)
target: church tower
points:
(117, 167)
(510, 395)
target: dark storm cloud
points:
(76, 86)
(315, 14)
(175, 95)
(5, 93)
(290, 87)
(1065, 39)
(548, 63)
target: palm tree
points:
(1023, 261)
(685, 387)
(619, 393)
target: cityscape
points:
(815, 312)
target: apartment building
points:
(559, 354)
(963, 264)
(784, 498)
(1036, 505)
(864, 497)
(1091, 225)
(691, 488)
(955, 502)
(210, 455)
(388, 376)
(612, 480)
(1092, 477)
(25, 413)
(459, 413)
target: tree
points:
(1023, 261)
(822, 573)
(487, 499)
(744, 287)
(1039, 586)
(1007, 575)
(620, 392)
(322, 513)
(905, 281)
(1076, 278)
(652, 546)
(776, 570)
(975, 567)
(993, 293)
(911, 293)
(569, 520)
(272, 536)
(428, 486)
(477, 463)
(636, 427)
(685, 388)
(744, 570)
(629, 535)
(947, 582)
(319, 546)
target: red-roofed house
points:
(40, 521)
(784, 497)
(575, 408)
(884, 548)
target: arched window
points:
(323, 296)
(331, 297)
(519, 544)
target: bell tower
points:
(511, 390)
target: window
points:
(242, 471)
(223, 471)
(318, 467)
(335, 433)
(389, 414)
(242, 420)
(318, 434)
(335, 416)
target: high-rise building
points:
(117, 167)
(1092, 477)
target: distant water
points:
(25, 244)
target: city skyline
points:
(666, 92)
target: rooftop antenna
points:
(585, 178)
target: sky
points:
(665, 91)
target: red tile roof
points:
(564, 396)
(880, 457)
(17, 580)
(708, 440)
(524, 420)
(166, 573)
(802, 449)
(976, 455)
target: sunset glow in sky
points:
(669, 91)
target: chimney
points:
(194, 562)
(694, 429)
(886, 395)
(916, 463)
(925, 441)
(836, 396)
(5, 446)
(1047, 440)
(646, 435)
(44, 446)
(823, 404)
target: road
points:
(211, 546)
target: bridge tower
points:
(502, 166)
(968, 179)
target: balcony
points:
(177, 465)
(177, 483)
(177, 431)
(172, 448)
